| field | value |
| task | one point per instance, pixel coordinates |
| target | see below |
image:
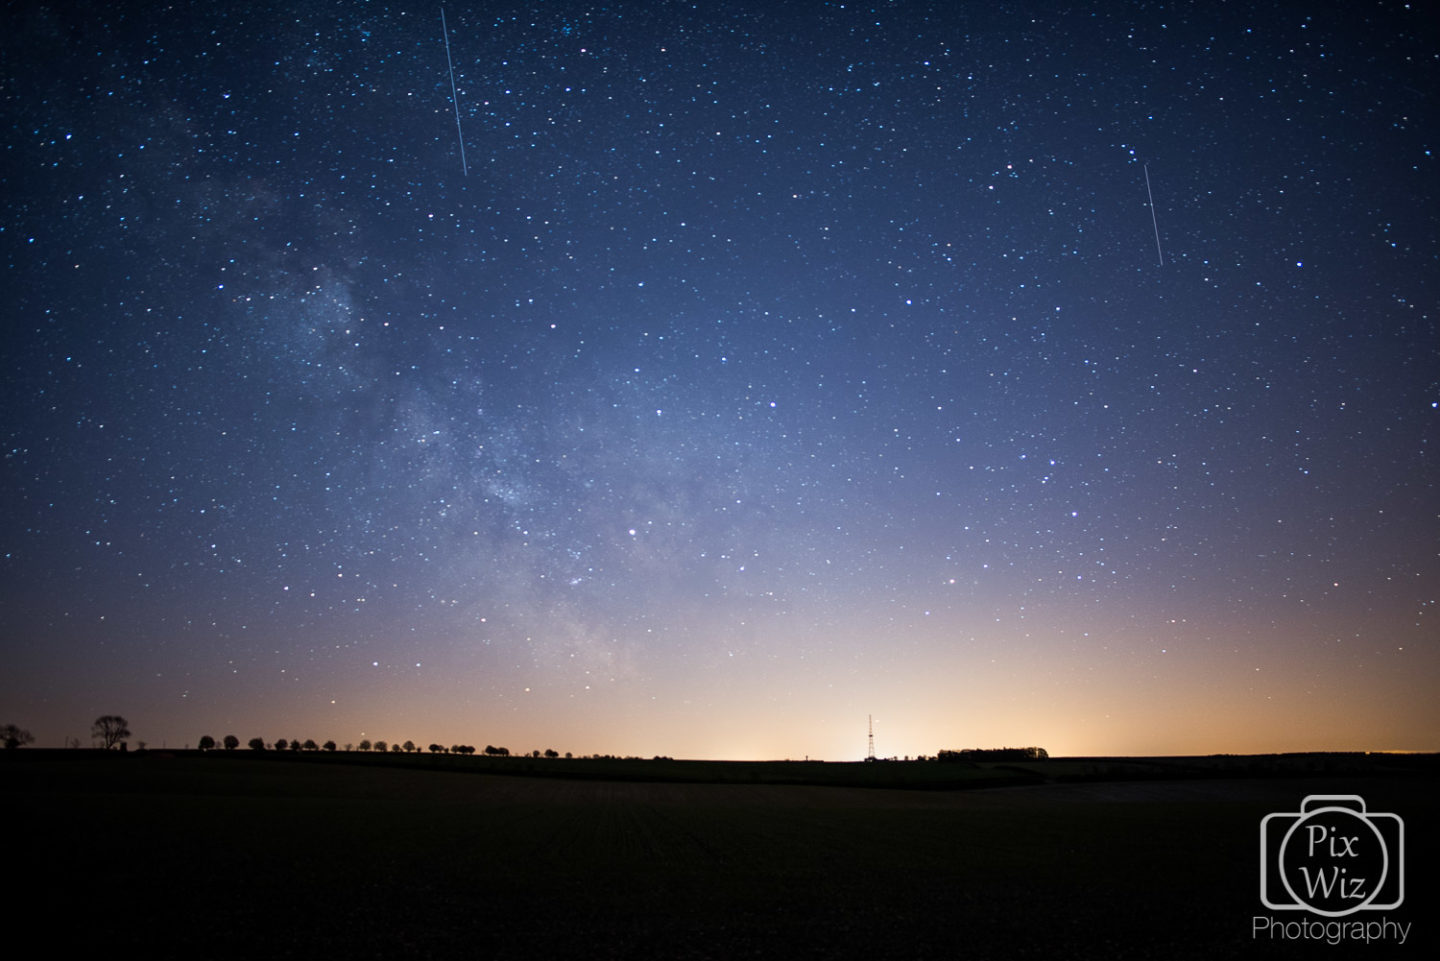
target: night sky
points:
(773, 365)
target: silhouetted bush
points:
(231, 742)
(207, 743)
(257, 744)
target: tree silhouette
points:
(281, 744)
(329, 745)
(110, 730)
(207, 743)
(365, 745)
(15, 737)
(551, 752)
(310, 745)
(257, 744)
(231, 742)
(380, 746)
(410, 747)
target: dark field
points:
(239, 856)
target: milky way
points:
(771, 366)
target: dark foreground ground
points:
(215, 856)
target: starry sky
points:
(759, 367)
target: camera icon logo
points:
(1332, 858)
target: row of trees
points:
(111, 730)
(995, 754)
(230, 742)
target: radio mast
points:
(871, 755)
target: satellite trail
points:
(1158, 254)
(455, 99)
